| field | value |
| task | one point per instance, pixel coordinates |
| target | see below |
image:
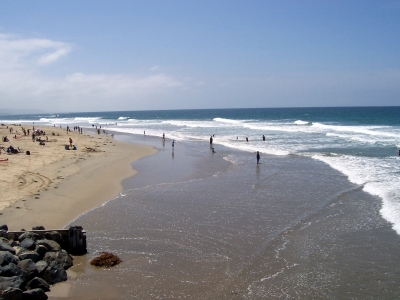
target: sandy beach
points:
(52, 186)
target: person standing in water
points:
(258, 157)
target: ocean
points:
(319, 218)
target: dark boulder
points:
(54, 236)
(6, 257)
(26, 254)
(12, 294)
(41, 267)
(38, 283)
(11, 282)
(29, 267)
(11, 270)
(28, 243)
(4, 240)
(38, 228)
(49, 244)
(12, 236)
(60, 257)
(15, 243)
(6, 247)
(35, 294)
(54, 273)
(4, 227)
(41, 250)
(3, 233)
(29, 235)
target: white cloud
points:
(17, 52)
(51, 57)
(24, 84)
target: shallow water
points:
(197, 225)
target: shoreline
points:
(53, 186)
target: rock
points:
(41, 266)
(41, 250)
(28, 243)
(3, 233)
(54, 273)
(12, 236)
(6, 247)
(54, 236)
(49, 244)
(60, 257)
(38, 228)
(4, 227)
(18, 250)
(34, 294)
(11, 282)
(6, 258)
(12, 294)
(29, 255)
(38, 283)
(11, 270)
(29, 267)
(30, 235)
(15, 243)
(106, 259)
(4, 240)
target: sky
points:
(78, 56)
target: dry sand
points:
(52, 186)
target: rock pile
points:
(29, 264)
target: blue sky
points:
(143, 55)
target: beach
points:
(316, 219)
(52, 186)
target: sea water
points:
(360, 142)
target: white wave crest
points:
(300, 122)
(228, 121)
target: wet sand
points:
(197, 225)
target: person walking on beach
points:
(70, 142)
(173, 144)
(258, 157)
